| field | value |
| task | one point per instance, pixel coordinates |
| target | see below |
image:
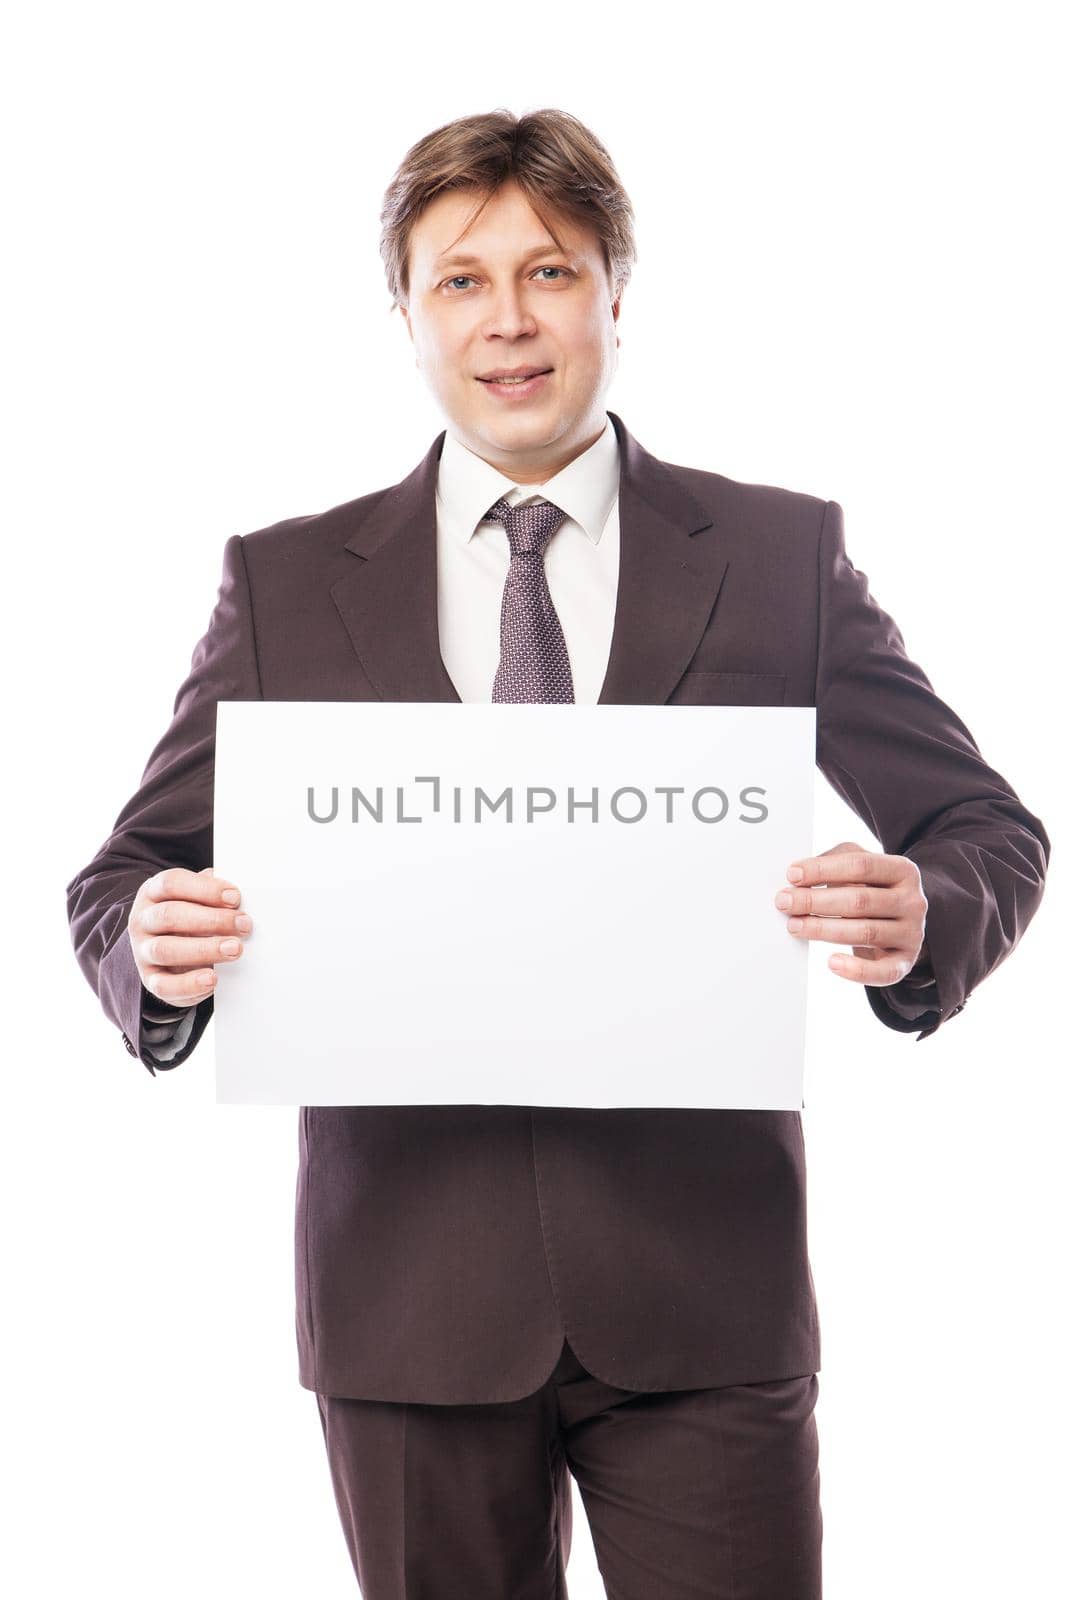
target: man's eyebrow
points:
(473, 261)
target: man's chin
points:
(529, 432)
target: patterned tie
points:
(534, 664)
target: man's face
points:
(504, 296)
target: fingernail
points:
(242, 921)
(231, 896)
(230, 947)
(794, 874)
(783, 900)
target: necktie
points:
(534, 664)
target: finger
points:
(850, 866)
(884, 933)
(178, 988)
(178, 954)
(179, 883)
(888, 967)
(187, 917)
(849, 900)
(229, 892)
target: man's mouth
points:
(516, 375)
(516, 385)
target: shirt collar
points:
(586, 488)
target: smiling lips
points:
(521, 381)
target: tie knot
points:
(529, 527)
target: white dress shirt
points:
(473, 557)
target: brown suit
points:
(442, 1252)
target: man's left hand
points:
(873, 902)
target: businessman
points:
(492, 1300)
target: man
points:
(493, 1299)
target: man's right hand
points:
(179, 925)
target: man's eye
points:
(462, 277)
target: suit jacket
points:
(442, 1252)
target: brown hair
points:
(553, 157)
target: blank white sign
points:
(441, 917)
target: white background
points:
(849, 283)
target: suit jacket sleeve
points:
(168, 823)
(905, 763)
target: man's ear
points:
(407, 323)
(616, 307)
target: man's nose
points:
(508, 314)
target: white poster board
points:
(441, 917)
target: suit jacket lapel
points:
(668, 583)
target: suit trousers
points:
(690, 1494)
